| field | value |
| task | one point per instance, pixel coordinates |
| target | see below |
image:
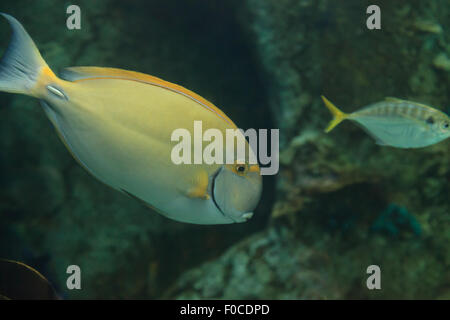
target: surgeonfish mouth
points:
(247, 215)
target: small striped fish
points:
(397, 123)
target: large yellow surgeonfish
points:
(118, 125)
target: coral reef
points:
(267, 265)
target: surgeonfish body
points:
(397, 123)
(118, 125)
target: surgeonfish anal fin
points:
(144, 203)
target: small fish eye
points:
(446, 125)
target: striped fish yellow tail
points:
(22, 69)
(338, 115)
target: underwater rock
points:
(394, 219)
(442, 62)
(428, 26)
(267, 265)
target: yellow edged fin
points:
(338, 115)
(77, 74)
(22, 282)
(25, 266)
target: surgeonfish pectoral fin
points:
(21, 65)
(199, 188)
(338, 115)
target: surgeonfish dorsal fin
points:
(84, 73)
(75, 74)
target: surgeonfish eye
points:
(240, 168)
(446, 125)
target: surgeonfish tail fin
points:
(338, 115)
(22, 65)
